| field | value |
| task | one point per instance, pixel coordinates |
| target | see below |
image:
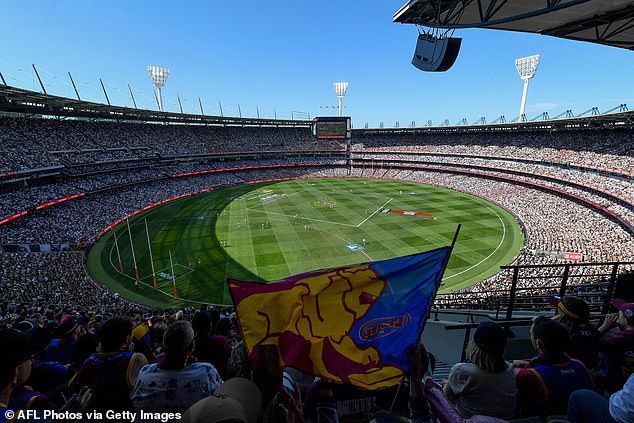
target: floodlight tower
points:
(526, 66)
(159, 77)
(340, 90)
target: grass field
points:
(279, 229)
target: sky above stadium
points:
(283, 56)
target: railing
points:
(506, 324)
(531, 288)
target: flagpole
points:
(455, 237)
(453, 243)
(173, 275)
(116, 245)
(136, 269)
(149, 247)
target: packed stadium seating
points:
(63, 181)
(122, 167)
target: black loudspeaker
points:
(434, 54)
(624, 288)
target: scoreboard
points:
(332, 127)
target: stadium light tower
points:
(340, 90)
(526, 66)
(159, 77)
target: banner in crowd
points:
(561, 255)
(34, 248)
(573, 256)
(353, 324)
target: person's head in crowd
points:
(486, 351)
(626, 313)
(237, 400)
(156, 336)
(38, 319)
(52, 326)
(84, 348)
(116, 334)
(40, 338)
(201, 323)
(572, 311)
(69, 330)
(23, 326)
(223, 327)
(549, 337)
(178, 341)
(240, 364)
(84, 321)
(142, 341)
(215, 316)
(15, 361)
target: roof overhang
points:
(17, 100)
(608, 22)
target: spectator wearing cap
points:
(237, 400)
(111, 372)
(177, 381)
(60, 349)
(573, 313)
(45, 375)
(15, 369)
(15, 365)
(485, 384)
(617, 349)
(545, 383)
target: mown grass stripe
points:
(194, 229)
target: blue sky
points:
(285, 55)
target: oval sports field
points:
(268, 231)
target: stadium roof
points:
(30, 103)
(608, 22)
(17, 100)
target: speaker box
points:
(434, 54)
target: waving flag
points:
(352, 324)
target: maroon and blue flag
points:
(352, 324)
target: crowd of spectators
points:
(611, 149)
(38, 143)
(57, 281)
(191, 365)
(35, 143)
(552, 223)
(69, 222)
(156, 357)
(557, 225)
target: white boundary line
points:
(478, 199)
(494, 251)
(141, 279)
(169, 281)
(375, 212)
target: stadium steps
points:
(441, 372)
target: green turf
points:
(194, 229)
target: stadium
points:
(110, 210)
